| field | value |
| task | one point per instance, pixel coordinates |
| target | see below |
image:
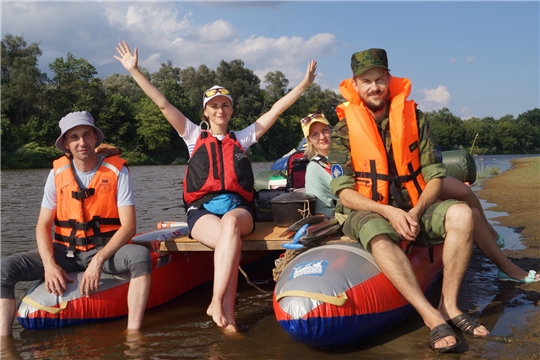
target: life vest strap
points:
(85, 226)
(85, 241)
(83, 194)
(396, 181)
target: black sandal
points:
(439, 332)
(465, 323)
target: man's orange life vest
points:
(368, 150)
(89, 217)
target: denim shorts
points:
(195, 214)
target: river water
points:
(181, 328)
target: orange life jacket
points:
(368, 151)
(89, 217)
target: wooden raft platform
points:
(265, 237)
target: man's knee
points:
(459, 215)
(11, 273)
(140, 261)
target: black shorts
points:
(196, 214)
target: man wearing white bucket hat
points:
(89, 200)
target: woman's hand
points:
(310, 73)
(128, 60)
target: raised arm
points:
(129, 61)
(265, 122)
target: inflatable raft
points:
(336, 295)
(173, 274)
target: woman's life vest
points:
(217, 167)
(86, 217)
(368, 151)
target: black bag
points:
(263, 211)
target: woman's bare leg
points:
(224, 235)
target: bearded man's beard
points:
(375, 106)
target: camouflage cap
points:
(362, 61)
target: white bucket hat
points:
(73, 119)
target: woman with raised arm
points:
(218, 184)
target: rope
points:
(306, 211)
(252, 284)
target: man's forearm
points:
(430, 195)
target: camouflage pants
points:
(364, 225)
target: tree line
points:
(33, 103)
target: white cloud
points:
(434, 99)
(470, 59)
(162, 31)
(452, 61)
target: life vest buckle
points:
(83, 194)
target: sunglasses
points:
(213, 92)
(315, 115)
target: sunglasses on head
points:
(315, 115)
(213, 92)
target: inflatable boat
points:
(173, 274)
(336, 295)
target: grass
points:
(483, 171)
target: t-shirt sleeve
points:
(191, 134)
(247, 136)
(124, 195)
(49, 193)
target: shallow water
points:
(181, 329)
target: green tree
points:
(22, 88)
(447, 128)
(244, 86)
(505, 136)
(117, 121)
(153, 130)
(195, 82)
(124, 85)
(73, 87)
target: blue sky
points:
(476, 58)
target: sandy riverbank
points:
(517, 192)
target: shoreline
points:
(517, 193)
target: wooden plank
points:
(265, 237)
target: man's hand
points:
(55, 280)
(90, 279)
(413, 213)
(405, 225)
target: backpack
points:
(296, 170)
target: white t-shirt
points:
(246, 137)
(124, 194)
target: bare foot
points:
(231, 329)
(445, 342)
(215, 310)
